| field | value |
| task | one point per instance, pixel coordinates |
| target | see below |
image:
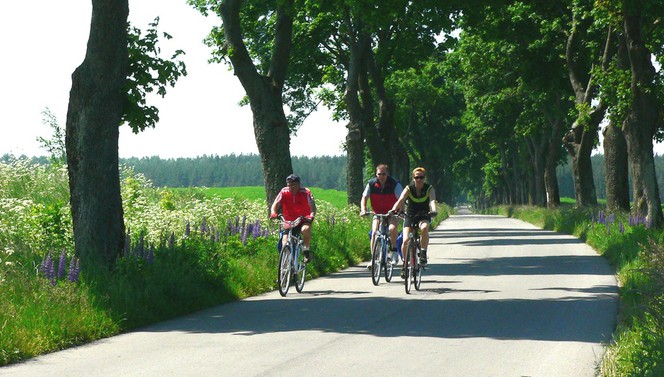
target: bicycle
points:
(412, 264)
(291, 259)
(381, 249)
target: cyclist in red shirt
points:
(295, 201)
(383, 191)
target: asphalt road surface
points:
(499, 298)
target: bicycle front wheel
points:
(283, 279)
(388, 267)
(418, 273)
(300, 272)
(410, 260)
(375, 262)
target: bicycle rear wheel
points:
(283, 279)
(300, 272)
(375, 261)
(410, 253)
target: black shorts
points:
(409, 221)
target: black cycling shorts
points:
(409, 221)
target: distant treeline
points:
(566, 182)
(236, 170)
(322, 172)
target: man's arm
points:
(432, 200)
(365, 198)
(402, 199)
(312, 205)
(275, 206)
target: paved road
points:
(500, 298)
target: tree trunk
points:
(552, 156)
(615, 166)
(581, 139)
(357, 69)
(96, 107)
(537, 151)
(642, 119)
(271, 127)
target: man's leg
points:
(393, 239)
(306, 237)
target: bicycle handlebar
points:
(371, 213)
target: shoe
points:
(423, 258)
(395, 257)
(389, 261)
(307, 256)
(403, 273)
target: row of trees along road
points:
(490, 112)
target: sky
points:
(44, 41)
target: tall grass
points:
(637, 253)
(187, 250)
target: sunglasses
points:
(381, 173)
(418, 177)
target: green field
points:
(338, 199)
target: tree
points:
(644, 115)
(516, 100)
(96, 107)
(264, 84)
(109, 87)
(583, 52)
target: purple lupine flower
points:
(244, 224)
(74, 267)
(257, 229)
(187, 229)
(621, 227)
(61, 264)
(52, 276)
(204, 227)
(48, 266)
(150, 256)
(171, 241)
(236, 230)
(246, 233)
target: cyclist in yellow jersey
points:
(419, 199)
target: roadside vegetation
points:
(637, 254)
(194, 248)
(187, 249)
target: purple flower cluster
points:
(609, 219)
(244, 229)
(637, 220)
(47, 268)
(139, 250)
(235, 227)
